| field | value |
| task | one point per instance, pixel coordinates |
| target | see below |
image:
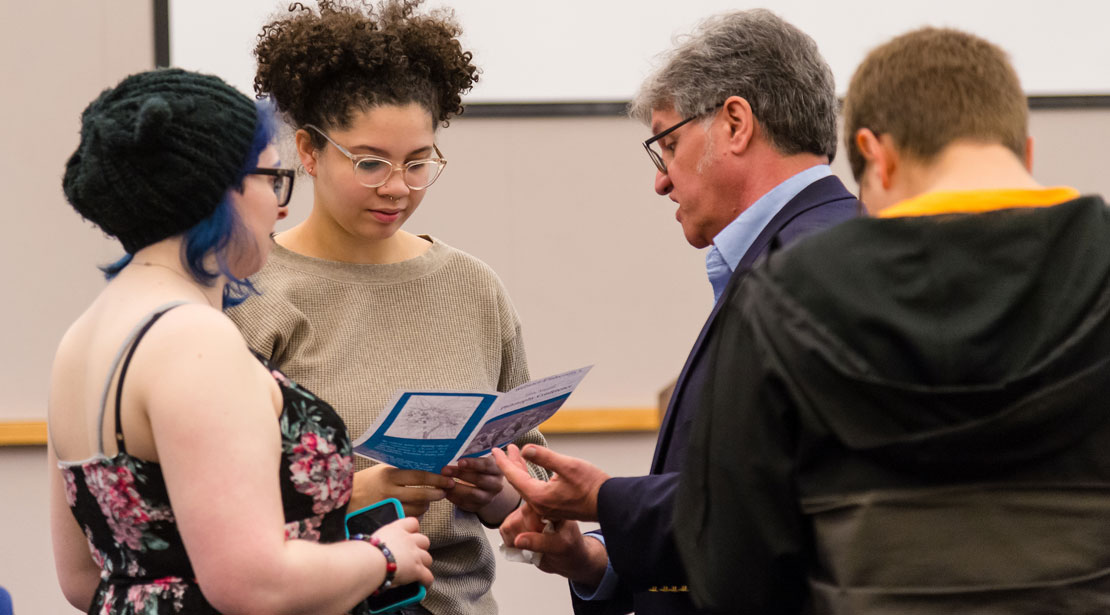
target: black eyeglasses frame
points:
(654, 155)
(289, 174)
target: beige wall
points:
(57, 56)
(562, 208)
(26, 560)
(1070, 148)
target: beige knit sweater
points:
(354, 334)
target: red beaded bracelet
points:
(390, 561)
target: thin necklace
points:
(191, 281)
(150, 264)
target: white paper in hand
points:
(524, 556)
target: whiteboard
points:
(600, 50)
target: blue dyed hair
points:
(214, 233)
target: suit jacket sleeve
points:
(619, 604)
(636, 515)
(637, 518)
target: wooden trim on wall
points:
(570, 420)
(602, 420)
(22, 433)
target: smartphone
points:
(367, 521)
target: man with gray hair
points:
(744, 115)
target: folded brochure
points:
(427, 430)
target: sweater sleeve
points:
(514, 361)
(272, 326)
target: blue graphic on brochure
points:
(427, 430)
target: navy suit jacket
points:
(636, 513)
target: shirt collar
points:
(734, 240)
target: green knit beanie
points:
(158, 153)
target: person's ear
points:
(880, 155)
(737, 113)
(306, 151)
(1029, 154)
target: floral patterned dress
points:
(122, 505)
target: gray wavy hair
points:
(756, 55)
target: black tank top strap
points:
(131, 343)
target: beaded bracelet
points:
(390, 561)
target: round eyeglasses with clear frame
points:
(374, 171)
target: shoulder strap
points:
(128, 346)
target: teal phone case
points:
(366, 521)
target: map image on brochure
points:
(427, 430)
(433, 416)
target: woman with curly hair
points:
(354, 307)
(190, 476)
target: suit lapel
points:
(818, 193)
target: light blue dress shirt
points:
(730, 245)
(607, 588)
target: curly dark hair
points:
(321, 67)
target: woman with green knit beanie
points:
(355, 307)
(188, 475)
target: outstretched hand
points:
(570, 494)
